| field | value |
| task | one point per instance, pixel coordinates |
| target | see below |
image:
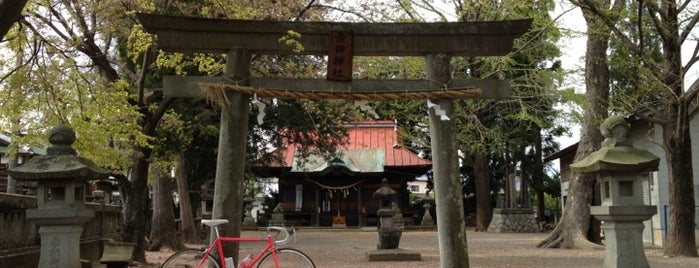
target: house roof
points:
(372, 146)
(5, 141)
(568, 150)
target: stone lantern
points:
(620, 169)
(389, 234)
(61, 178)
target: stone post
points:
(453, 251)
(248, 220)
(232, 142)
(620, 169)
(512, 190)
(427, 221)
(60, 176)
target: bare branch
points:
(428, 5)
(78, 16)
(344, 11)
(407, 10)
(689, 27)
(304, 10)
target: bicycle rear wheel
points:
(189, 258)
(288, 257)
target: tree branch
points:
(692, 60)
(303, 11)
(689, 27)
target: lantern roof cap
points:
(617, 154)
(385, 192)
(60, 163)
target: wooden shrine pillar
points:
(360, 205)
(230, 164)
(316, 219)
(447, 187)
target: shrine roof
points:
(368, 141)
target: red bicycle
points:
(270, 256)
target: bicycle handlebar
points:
(288, 234)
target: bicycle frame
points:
(218, 244)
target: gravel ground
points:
(347, 248)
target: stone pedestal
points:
(427, 221)
(395, 254)
(277, 219)
(623, 233)
(513, 220)
(60, 246)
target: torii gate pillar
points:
(447, 188)
(232, 139)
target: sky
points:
(572, 58)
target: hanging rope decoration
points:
(260, 109)
(453, 93)
(331, 189)
(366, 108)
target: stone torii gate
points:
(435, 41)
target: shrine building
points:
(339, 191)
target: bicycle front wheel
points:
(189, 258)
(288, 257)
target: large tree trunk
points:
(187, 228)
(135, 210)
(681, 240)
(163, 232)
(573, 229)
(484, 208)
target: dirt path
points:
(347, 248)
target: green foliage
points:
(634, 83)
(291, 39)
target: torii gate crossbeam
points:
(186, 34)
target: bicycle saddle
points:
(213, 223)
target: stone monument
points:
(513, 218)
(248, 220)
(398, 220)
(277, 216)
(427, 220)
(620, 169)
(61, 177)
(389, 234)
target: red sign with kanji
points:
(340, 56)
